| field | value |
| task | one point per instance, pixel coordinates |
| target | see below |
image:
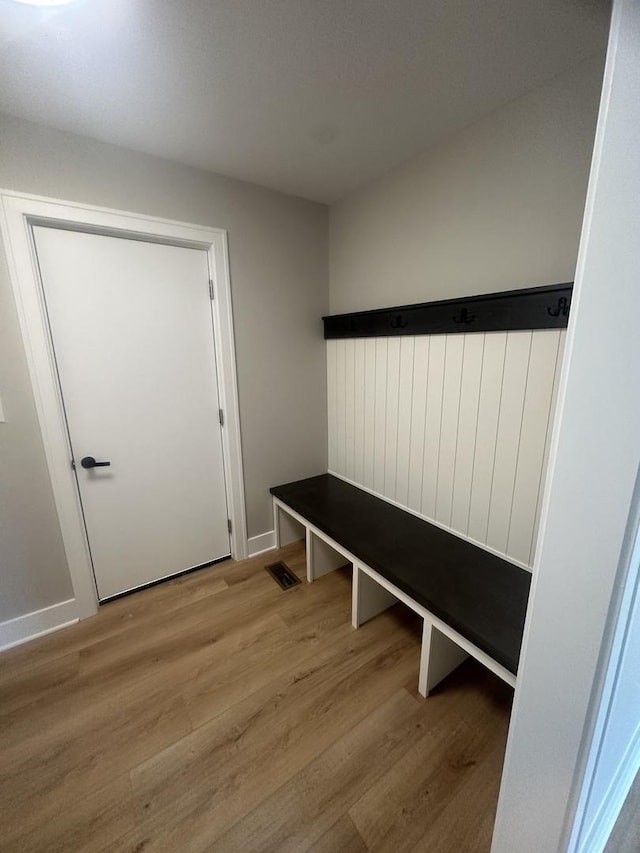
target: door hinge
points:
(211, 289)
(221, 417)
(229, 525)
(73, 464)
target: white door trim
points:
(18, 212)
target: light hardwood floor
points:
(218, 713)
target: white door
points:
(132, 330)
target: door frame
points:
(19, 212)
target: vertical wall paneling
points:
(418, 415)
(486, 434)
(543, 470)
(391, 428)
(341, 414)
(452, 379)
(454, 427)
(380, 415)
(349, 421)
(405, 397)
(514, 384)
(359, 370)
(433, 420)
(332, 403)
(369, 410)
(535, 418)
(467, 429)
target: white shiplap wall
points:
(454, 428)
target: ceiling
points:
(311, 97)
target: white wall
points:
(496, 207)
(452, 427)
(278, 259)
(583, 564)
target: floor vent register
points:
(283, 575)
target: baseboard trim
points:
(611, 806)
(262, 543)
(20, 630)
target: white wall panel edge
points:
(605, 818)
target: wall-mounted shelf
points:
(530, 308)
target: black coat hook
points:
(464, 317)
(561, 308)
(398, 323)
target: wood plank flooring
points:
(218, 713)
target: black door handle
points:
(90, 462)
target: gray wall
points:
(278, 256)
(496, 207)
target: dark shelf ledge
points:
(530, 308)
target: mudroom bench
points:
(471, 601)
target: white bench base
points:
(443, 649)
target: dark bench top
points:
(478, 594)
